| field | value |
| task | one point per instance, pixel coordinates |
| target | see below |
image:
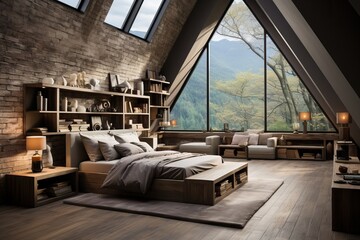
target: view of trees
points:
(238, 81)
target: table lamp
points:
(304, 116)
(36, 143)
(343, 118)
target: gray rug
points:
(233, 211)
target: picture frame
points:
(113, 82)
(151, 74)
(96, 123)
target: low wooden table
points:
(204, 188)
(166, 147)
(238, 151)
(29, 189)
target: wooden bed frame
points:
(199, 188)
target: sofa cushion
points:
(263, 137)
(253, 139)
(241, 140)
(271, 142)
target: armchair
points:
(210, 146)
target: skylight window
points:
(137, 17)
(77, 4)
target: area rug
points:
(233, 211)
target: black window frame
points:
(132, 15)
(81, 8)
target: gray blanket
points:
(135, 173)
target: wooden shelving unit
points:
(157, 90)
(305, 147)
(110, 107)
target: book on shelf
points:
(59, 189)
(351, 177)
(38, 130)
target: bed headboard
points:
(75, 151)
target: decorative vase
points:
(39, 101)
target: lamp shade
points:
(342, 117)
(304, 116)
(35, 143)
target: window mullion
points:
(135, 8)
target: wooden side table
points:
(237, 151)
(30, 189)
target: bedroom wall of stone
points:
(43, 38)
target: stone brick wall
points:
(44, 38)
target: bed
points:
(166, 187)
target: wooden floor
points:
(300, 209)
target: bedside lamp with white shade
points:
(36, 143)
(304, 116)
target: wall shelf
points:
(112, 107)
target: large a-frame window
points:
(251, 85)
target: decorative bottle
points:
(39, 101)
(64, 104)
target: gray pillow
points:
(144, 146)
(91, 144)
(108, 150)
(126, 137)
(127, 149)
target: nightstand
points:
(30, 189)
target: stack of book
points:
(64, 125)
(42, 194)
(240, 177)
(59, 189)
(79, 125)
(221, 188)
(37, 131)
(308, 156)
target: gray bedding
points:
(135, 173)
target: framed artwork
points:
(96, 124)
(112, 82)
(151, 74)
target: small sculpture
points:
(95, 83)
(124, 86)
(73, 80)
(81, 79)
(48, 80)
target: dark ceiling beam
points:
(197, 31)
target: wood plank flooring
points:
(300, 209)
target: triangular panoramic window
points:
(251, 83)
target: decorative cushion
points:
(241, 140)
(127, 149)
(253, 139)
(107, 149)
(272, 142)
(263, 138)
(126, 137)
(144, 146)
(91, 144)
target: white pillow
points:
(241, 140)
(108, 150)
(253, 139)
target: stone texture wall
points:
(44, 38)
